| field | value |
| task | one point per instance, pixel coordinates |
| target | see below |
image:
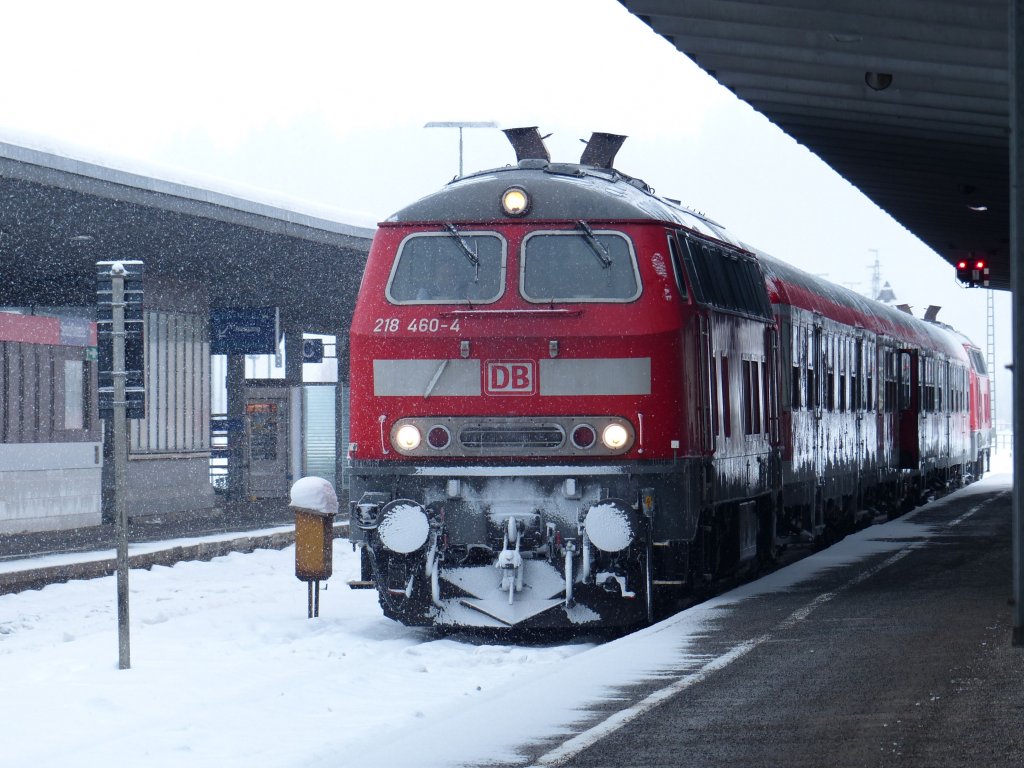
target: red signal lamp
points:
(973, 273)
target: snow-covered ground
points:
(228, 671)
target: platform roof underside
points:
(906, 99)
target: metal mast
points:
(990, 352)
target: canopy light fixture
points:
(878, 81)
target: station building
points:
(204, 251)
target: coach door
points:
(909, 406)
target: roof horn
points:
(528, 143)
(601, 149)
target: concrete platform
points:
(33, 560)
(902, 657)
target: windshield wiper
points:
(463, 245)
(595, 245)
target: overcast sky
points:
(326, 101)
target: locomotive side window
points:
(581, 265)
(726, 280)
(726, 403)
(751, 397)
(448, 268)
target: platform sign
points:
(134, 341)
(244, 330)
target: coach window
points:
(580, 265)
(869, 372)
(830, 376)
(843, 345)
(795, 399)
(450, 267)
(929, 386)
(892, 379)
(813, 400)
(941, 399)
(716, 402)
(857, 376)
(906, 390)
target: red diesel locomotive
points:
(571, 398)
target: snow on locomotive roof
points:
(558, 191)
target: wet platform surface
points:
(902, 657)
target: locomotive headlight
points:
(515, 201)
(615, 436)
(408, 438)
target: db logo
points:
(510, 378)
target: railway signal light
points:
(972, 272)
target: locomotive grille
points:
(512, 436)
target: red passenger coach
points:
(572, 401)
(50, 437)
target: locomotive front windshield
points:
(581, 265)
(450, 267)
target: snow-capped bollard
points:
(315, 505)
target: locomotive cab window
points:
(452, 267)
(677, 265)
(581, 265)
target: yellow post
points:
(315, 505)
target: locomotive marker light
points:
(515, 201)
(315, 504)
(584, 437)
(439, 437)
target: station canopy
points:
(59, 216)
(906, 99)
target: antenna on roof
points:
(528, 143)
(932, 312)
(601, 149)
